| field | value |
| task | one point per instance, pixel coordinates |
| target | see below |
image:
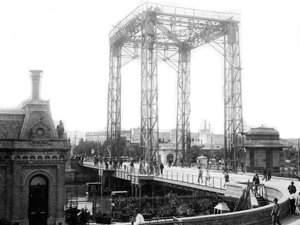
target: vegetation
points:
(168, 206)
(93, 148)
(195, 151)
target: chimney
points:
(35, 74)
(204, 124)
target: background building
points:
(263, 149)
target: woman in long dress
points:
(207, 178)
(297, 202)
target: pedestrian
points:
(161, 168)
(269, 174)
(292, 188)
(297, 202)
(141, 168)
(292, 203)
(265, 175)
(121, 163)
(200, 175)
(131, 167)
(207, 177)
(275, 212)
(256, 182)
(226, 176)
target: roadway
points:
(190, 175)
(283, 183)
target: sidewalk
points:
(291, 220)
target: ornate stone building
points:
(33, 154)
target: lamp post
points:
(211, 151)
(98, 159)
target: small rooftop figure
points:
(60, 130)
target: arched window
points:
(40, 158)
(38, 180)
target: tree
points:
(85, 148)
(117, 148)
(192, 153)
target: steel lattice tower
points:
(153, 33)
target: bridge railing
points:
(133, 174)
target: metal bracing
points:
(149, 91)
(183, 105)
(233, 121)
(154, 32)
(114, 94)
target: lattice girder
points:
(149, 89)
(233, 127)
(114, 93)
(154, 32)
(183, 105)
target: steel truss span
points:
(154, 32)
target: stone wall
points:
(257, 216)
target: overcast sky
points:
(68, 40)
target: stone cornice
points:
(45, 144)
(40, 167)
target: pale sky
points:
(68, 40)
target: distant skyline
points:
(68, 40)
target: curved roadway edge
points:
(261, 215)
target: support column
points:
(183, 105)
(136, 191)
(152, 190)
(114, 94)
(149, 90)
(233, 121)
(140, 191)
(132, 190)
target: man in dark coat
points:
(161, 168)
(256, 182)
(292, 189)
(265, 175)
(269, 174)
(275, 212)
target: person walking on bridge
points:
(226, 176)
(256, 182)
(265, 175)
(200, 175)
(207, 178)
(275, 212)
(161, 168)
(292, 190)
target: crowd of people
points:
(294, 199)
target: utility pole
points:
(98, 159)
(211, 152)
